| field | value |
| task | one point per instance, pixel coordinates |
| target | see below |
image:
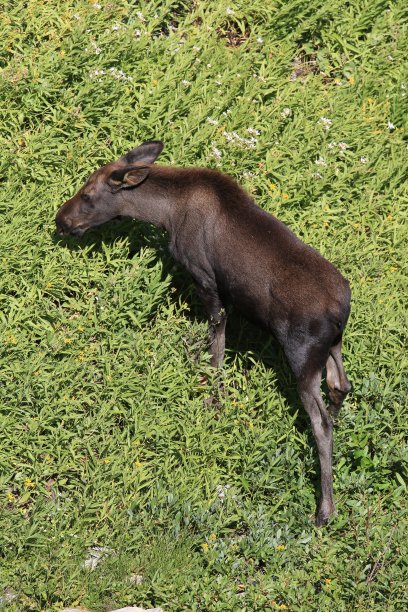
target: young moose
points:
(236, 253)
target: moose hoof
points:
(326, 511)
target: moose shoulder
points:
(239, 254)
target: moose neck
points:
(151, 201)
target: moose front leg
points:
(217, 320)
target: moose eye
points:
(86, 199)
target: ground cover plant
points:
(114, 430)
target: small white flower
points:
(320, 161)
(215, 152)
(390, 126)
(326, 122)
(234, 138)
(116, 26)
(253, 131)
(97, 50)
(259, 40)
(95, 73)
(343, 146)
(317, 175)
(119, 74)
(97, 5)
(185, 82)
(390, 58)
(208, 65)
(140, 16)
(221, 491)
(196, 49)
(138, 33)
(331, 145)
(230, 11)
(247, 174)
(286, 112)
(212, 121)
(363, 159)
(76, 16)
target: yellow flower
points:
(205, 547)
(62, 53)
(370, 100)
(10, 497)
(67, 340)
(154, 82)
(272, 186)
(280, 547)
(389, 217)
(106, 460)
(393, 269)
(351, 80)
(212, 537)
(138, 465)
(80, 328)
(28, 483)
(327, 580)
(285, 196)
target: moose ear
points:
(146, 153)
(128, 177)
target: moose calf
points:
(236, 253)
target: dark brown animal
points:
(236, 253)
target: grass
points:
(114, 431)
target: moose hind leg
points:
(322, 427)
(337, 381)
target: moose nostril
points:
(62, 225)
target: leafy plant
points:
(114, 431)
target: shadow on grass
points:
(242, 336)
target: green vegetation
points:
(114, 431)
